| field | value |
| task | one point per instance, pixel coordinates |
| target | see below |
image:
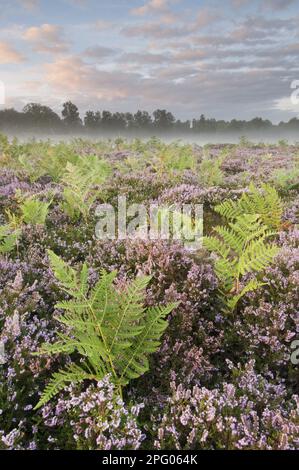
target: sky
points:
(222, 58)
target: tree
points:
(118, 121)
(92, 120)
(142, 120)
(70, 115)
(106, 120)
(42, 117)
(163, 119)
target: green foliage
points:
(4, 143)
(173, 158)
(242, 247)
(41, 158)
(245, 142)
(282, 143)
(286, 179)
(110, 330)
(8, 238)
(34, 211)
(79, 180)
(210, 173)
(265, 202)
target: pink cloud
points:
(46, 38)
(8, 55)
(151, 7)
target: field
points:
(147, 344)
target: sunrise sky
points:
(226, 59)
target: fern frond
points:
(252, 285)
(134, 362)
(111, 330)
(242, 247)
(79, 180)
(66, 275)
(71, 375)
(216, 245)
(34, 211)
(226, 272)
(232, 240)
(8, 238)
(228, 209)
(130, 309)
(257, 257)
(264, 202)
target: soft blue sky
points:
(229, 58)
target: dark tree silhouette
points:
(92, 120)
(42, 117)
(70, 115)
(39, 118)
(163, 119)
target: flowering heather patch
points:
(217, 380)
(248, 413)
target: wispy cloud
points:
(29, 4)
(9, 55)
(46, 38)
(152, 6)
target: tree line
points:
(39, 118)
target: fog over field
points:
(270, 137)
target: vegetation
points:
(139, 343)
(111, 330)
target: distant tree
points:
(142, 120)
(106, 120)
(92, 120)
(130, 121)
(183, 125)
(201, 124)
(11, 120)
(236, 125)
(293, 124)
(70, 115)
(258, 123)
(39, 117)
(35, 117)
(163, 119)
(118, 121)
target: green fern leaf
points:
(71, 375)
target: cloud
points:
(192, 89)
(72, 75)
(205, 17)
(8, 55)
(270, 4)
(154, 30)
(99, 52)
(29, 4)
(102, 25)
(286, 104)
(46, 38)
(153, 6)
(144, 58)
(171, 26)
(277, 4)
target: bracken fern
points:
(79, 181)
(8, 238)
(111, 330)
(265, 202)
(242, 247)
